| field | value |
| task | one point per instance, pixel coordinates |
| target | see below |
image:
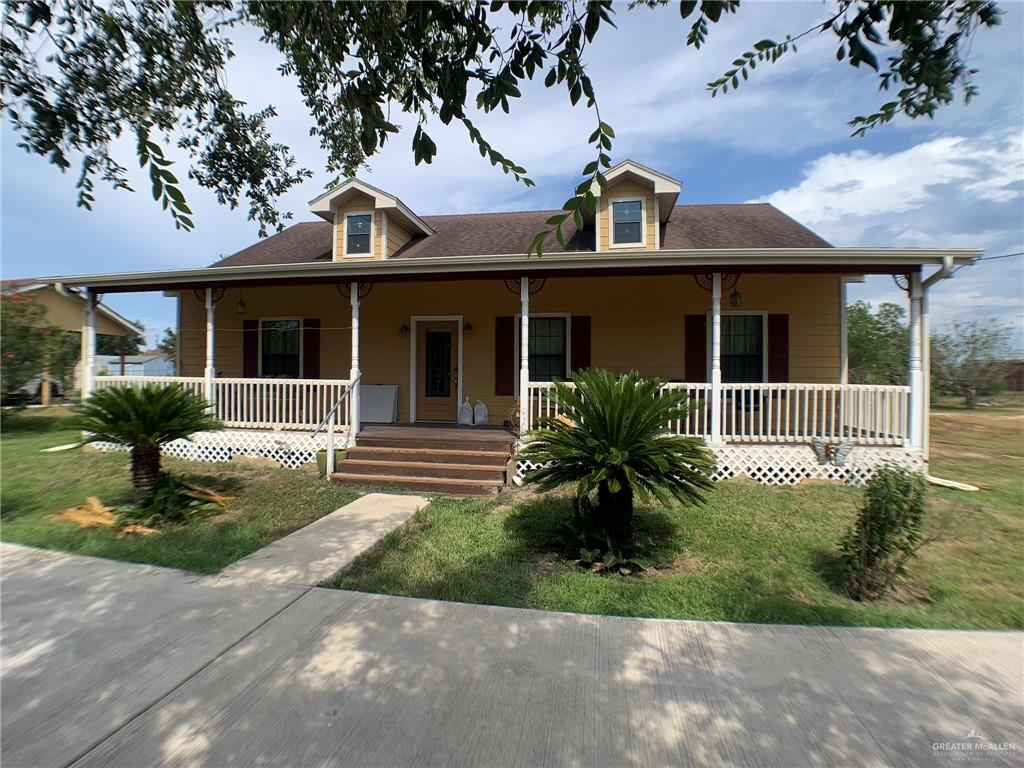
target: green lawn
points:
(269, 503)
(754, 553)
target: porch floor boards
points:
(444, 459)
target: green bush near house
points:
(265, 503)
(144, 420)
(611, 448)
(750, 553)
(886, 533)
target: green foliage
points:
(170, 502)
(886, 533)
(149, 415)
(971, 360)
(28, 344)
(79, 76)
(929, 42)
(168, 344)
(143, 419)
(878, 343)
(612, 448)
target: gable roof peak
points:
(665, 188)
(325, 205)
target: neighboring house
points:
(150, 363)
(65, 309)
(738, 304)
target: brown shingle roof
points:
(748, 225)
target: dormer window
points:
(627, 222)
(357, 234)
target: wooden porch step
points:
(436, 443)
(423, 469)
(493, 458)
(440, 485)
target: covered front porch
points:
(417, 340)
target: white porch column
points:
(716, 358)
(926, 374)
(916, 374)
(210, 372)
(353, 374)
(88, 343)
(524, 355)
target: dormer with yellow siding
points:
(368, 222)
(632, 208)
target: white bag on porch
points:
(480, 414)
(466, 413)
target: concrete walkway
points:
(113, 664)
(318, 551)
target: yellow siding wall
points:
(358, 203)
(637, 323)
(630, 189)
(69, 313)
(397, 237)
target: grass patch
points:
(754, 553)
(268, 504)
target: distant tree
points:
(130, 344)
(877, 343)
(971, 360)
(84, 80)
(29, 344)
(168, 344)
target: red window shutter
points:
(310, 348)
(504, 355)
(251, 348)
(695, 339)
(778, 348)
(579, 354)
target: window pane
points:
(742, 348)
(438, 374)
(547, 348)
(627, 210)
(358, 233)
(627, 233)
(280, 342)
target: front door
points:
(437, 370)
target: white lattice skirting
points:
(291, 449)
(792, 464)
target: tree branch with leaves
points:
(79, 77)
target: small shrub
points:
(612, 446)
(886, 534)
(172, 502)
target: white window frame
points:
(519, 346)
(302, 342)
(373, 231)
(642, 242)
(764, 339)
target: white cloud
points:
(951, 192)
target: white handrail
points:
(329, 420)
(253, 403)
(867, 414)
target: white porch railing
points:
(868, 414)
(255, 403)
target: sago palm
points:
(143, 419)
(612, 441)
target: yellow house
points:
(64, 307)
(396, 320)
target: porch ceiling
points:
(849, 261)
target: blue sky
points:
(955, 181)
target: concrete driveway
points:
(112, 664)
